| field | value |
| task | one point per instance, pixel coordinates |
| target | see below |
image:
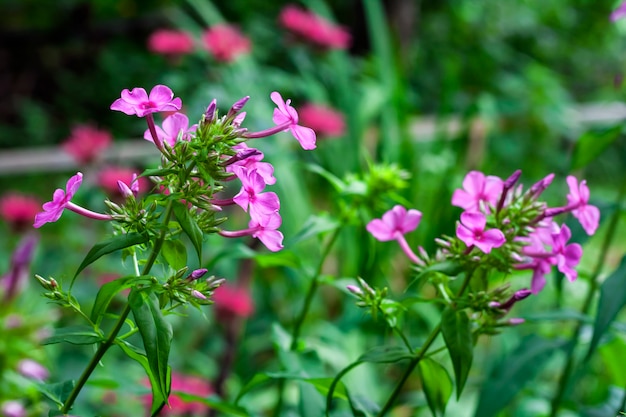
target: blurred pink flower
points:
(13, 409)
(619, 12)
(137, 101)
(233, 300)
(225, 42)
(19, 210)
(32, 369)
(314, 28)
(323, 120)
(186, 384)
(18, 275)
(170, 42)
(109, 176)
(86, 143)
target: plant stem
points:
(568, 368)
(91, 366)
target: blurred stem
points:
(95, 360)
(420, 354)
(568, 368)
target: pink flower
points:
(138, 102)
(314, 28)
(284, 114)
(225, 42)
(170, 42)
(13, 409)
(233, 300)
(189, 385)
(174, 127)
(109, 178)
(251, 159)
(32, 369)
(251, 196)
(19, 209)
(477, 188)
(619, 12)
(578, 197)
(266, 230)
(393, 226)
(86, 143)
(323, 120)
(60, 200)
(18, 275)
(567, 256)
(472, 232)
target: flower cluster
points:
(314, 28)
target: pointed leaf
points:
(108, 246)
(455, 327)
(437, 385)
(76, 335)
(108, 291)
(335, 181)
(156, 334)
(612, 300)
(175, 253)
(592, 143)
(314, 226)
(57, 392)
(189, 226)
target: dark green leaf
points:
(592, 143)
(108, 291)
(108, 246)
(311, 401)
(612, 300)
(437, 385)
(455, 327)
(58, 392)
(175, 253)
(189, 226)
(156, 172)
(156, 334)
(76, 335)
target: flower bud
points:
(209, 114)
(236, 108)
(197, 294)
(354, 290)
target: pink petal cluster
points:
(471, 230)
(32, 369)
(314, 28)
(174, 127)
(86, 143)
(578, 200)
(19, 209)
(60, 200)
(286, 115)
(138, 102)
(170, 42)
(393, 225)
(251, 159)
(187, 384)
(225, 42)
(478, 190)
(233, 300)
(323, 120)
(251, 196)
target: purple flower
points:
(13, 281)
(250, 158)
(127, 191)
(138, 102)
(266, 231)
(566, 256)
(477, 188)
(619, 13)
(251, 196)
(174, 127)
(32, 369)
(578, 198)
(60, 200)
(393, 225)
(472, 232)
(13, 409)
(284, 114)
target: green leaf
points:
(284, 258)
(612, 354)
(156, 334)
(455, 327)
(612, 300)
(513, 372)
(76, 335)
(189, 226)
(313, 226)
(437, 385)
(335, 181)
(156, 172)
(592, 143)
(58, 392)
(108, 291)
(175, 253)
(159, 398)
(108, 246)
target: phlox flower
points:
(619, 12)
(477, 189)
(18, 209)
(86, 143)
(225, 42)
(60, 200)
(233, 300)
(393, 225)
(13, 409)
(284, 114)
(323, 120)
(175, 126)
(170, 42)
(252, 161)
(264, 229)
(471, 230)
(137, 101)
(578, 198)
(251, 197)
(18, 275)
(314, 28)
(32, 369)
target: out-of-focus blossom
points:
(324, 120)
(86, 143)
(32, 369)
(170, 42)
(109, 176)
(225, 42)
(284, 114)
(477, 189)
(471, 230)
(19, 210)
(619, 12)
(137, 101)
(13, 409)
(233, 300)
(16, 278)
(186, 384)
(578, 198)
(314, 28)
(174, 127)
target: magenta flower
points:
(32, 369)
(284, 114)
(566, 256)
(477, 188)
(18, 275)
(251, 196)
(129, 191)
(393, 226)
(250, 158)
(225, 42)
(233, 300)
(472, 232)
(19, 210)
(60, 200)
(175, 126)
(323, 120)
(578, 198)
(170, 42)
(138, 102)
(314, 28)
(619, 12)
(264, 229)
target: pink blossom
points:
(619, 12)
(323, 120)
(138, 102)
(170, 42)
(264, 229)
(566, 256)
(472, 232)
(13, 409)
(86, 143)
(251, 196)
(129, 190)
(225, 42)
(477, 188)
(19, 209)
(32, 369)
(251, 159)
(175, 126)
(60, 200)
(110, 176)
(394, 224)
(233, 300)
(314, 28)
(18, 275)
(189, 385)
(578, 198)
(284, 114)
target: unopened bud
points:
(354, 290)
(197, 294)
(236, 108)
(209, 114)
(515, 321)
(198, 273)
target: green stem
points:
(568, 368)
(91, 366)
